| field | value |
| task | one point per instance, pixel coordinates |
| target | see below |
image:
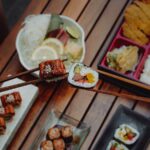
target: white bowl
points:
(68, 21)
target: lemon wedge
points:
(55, 44)
(43, 53)
(73, 32)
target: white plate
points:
(28, 94)
(68, 21)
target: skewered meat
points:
(2, 125)
(12, 98)
(7, 112)
(52, 68)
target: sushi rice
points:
(121, 132)
(145, 76)
(118, 146)
(84, 70)
(35, 29)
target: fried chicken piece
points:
(134, 34)
(136, 12)
(145, 1)
(137, 23)
(144, 7)
(127, 32)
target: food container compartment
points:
(141, 66)
(55, 118)
(117, 43)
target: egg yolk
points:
(90, 78)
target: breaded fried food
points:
(137, 22)
(128, 32)
(145, 1)
(144, 7)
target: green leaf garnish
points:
(55, 23)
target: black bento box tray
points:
(124, 115)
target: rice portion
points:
(145, 76)
(35, 29)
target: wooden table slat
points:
(100, 20)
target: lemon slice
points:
(43, 53)
(55, 44)
(73, 32)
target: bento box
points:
(127, 58)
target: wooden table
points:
(99, 18)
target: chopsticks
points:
(141, 85)
(123, 95)
(19, 75)
(28, 82)
(32, 82)
(23, 73)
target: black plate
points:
(124, 115)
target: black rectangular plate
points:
(124, 115)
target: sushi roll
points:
(59, 144)
(82, 76)
(2, 125)
(7, 112)
(12, 98)
(67, 134)
(46, 145)
(53, 133)
(52, 68)
(114, 145)
(126, 134)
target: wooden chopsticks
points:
(19, 75)
(123, 95)
(32, 82)
(141, 85)
(28, 82)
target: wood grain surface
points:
(100, 20)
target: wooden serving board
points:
(28, 94)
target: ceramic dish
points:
(124, 115)
(20, 44)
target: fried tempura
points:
(137, 22)
(144, 7)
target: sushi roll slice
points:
(67, 134)
(2, 126)
(126, 134)
(7, 112)
(46, 145)
(12, 98)
(53, 133)
(52, 68)
(114, 145)
(59, 144)
(82, 76)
